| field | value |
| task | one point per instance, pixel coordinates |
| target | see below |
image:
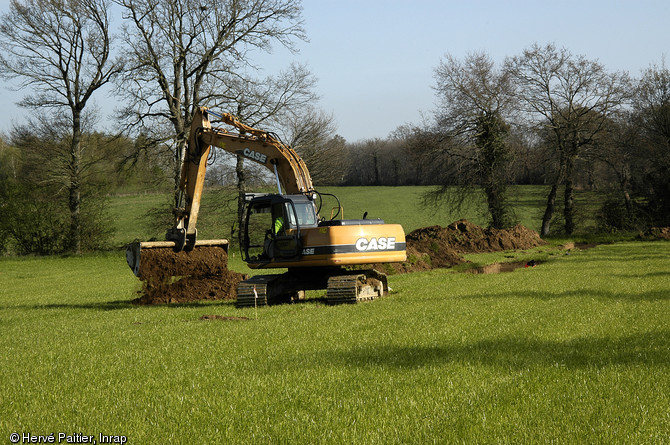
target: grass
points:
(128, 215)
(401, 205)
(575, 350)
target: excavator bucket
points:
(157, 260)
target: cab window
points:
(306, 214)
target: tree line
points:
(545, 116)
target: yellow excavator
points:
(282, 230)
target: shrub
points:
(614, 216)
(33, 220)
(37, 221)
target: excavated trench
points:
(502, 267)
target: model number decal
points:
(363, 244)
(256, 156)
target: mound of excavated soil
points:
(181, 277)
(437, 246)
(465, 237)
(655, 233)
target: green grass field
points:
(402, 205)
(575, 350)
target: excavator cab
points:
(273, 224)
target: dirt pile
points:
(437, 246)
(163, 263)
(466, 237)
(656, 233)
(182, 277)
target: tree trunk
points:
(569, 207)
(241, 191)
(568, 199)
(74, 200)
(396, 172)
(495, 198)
(549, 211)
(179, 153)
(625, 184)
(374, 164)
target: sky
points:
(375, 59)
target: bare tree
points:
(60, 51)
(9, 161)
(652, 107)
(365, 159)
(428, 163)
(618, 153)
(475, 100)
(270, 102)
(311, 133)
(652, 102)
(184, 54)
(570, 98)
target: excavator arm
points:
(257, 145)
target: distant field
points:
(402, 205)
(575, 350)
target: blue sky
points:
(374, 59)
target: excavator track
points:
(342, 286)
(262, 290)
(353, 288)
(254, 291)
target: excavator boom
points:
(256, 145)
(253, 144)
(259, 146)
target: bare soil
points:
(182, 277)
(223, 318)
(162, 263)
(503, 267)
(440, 247)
